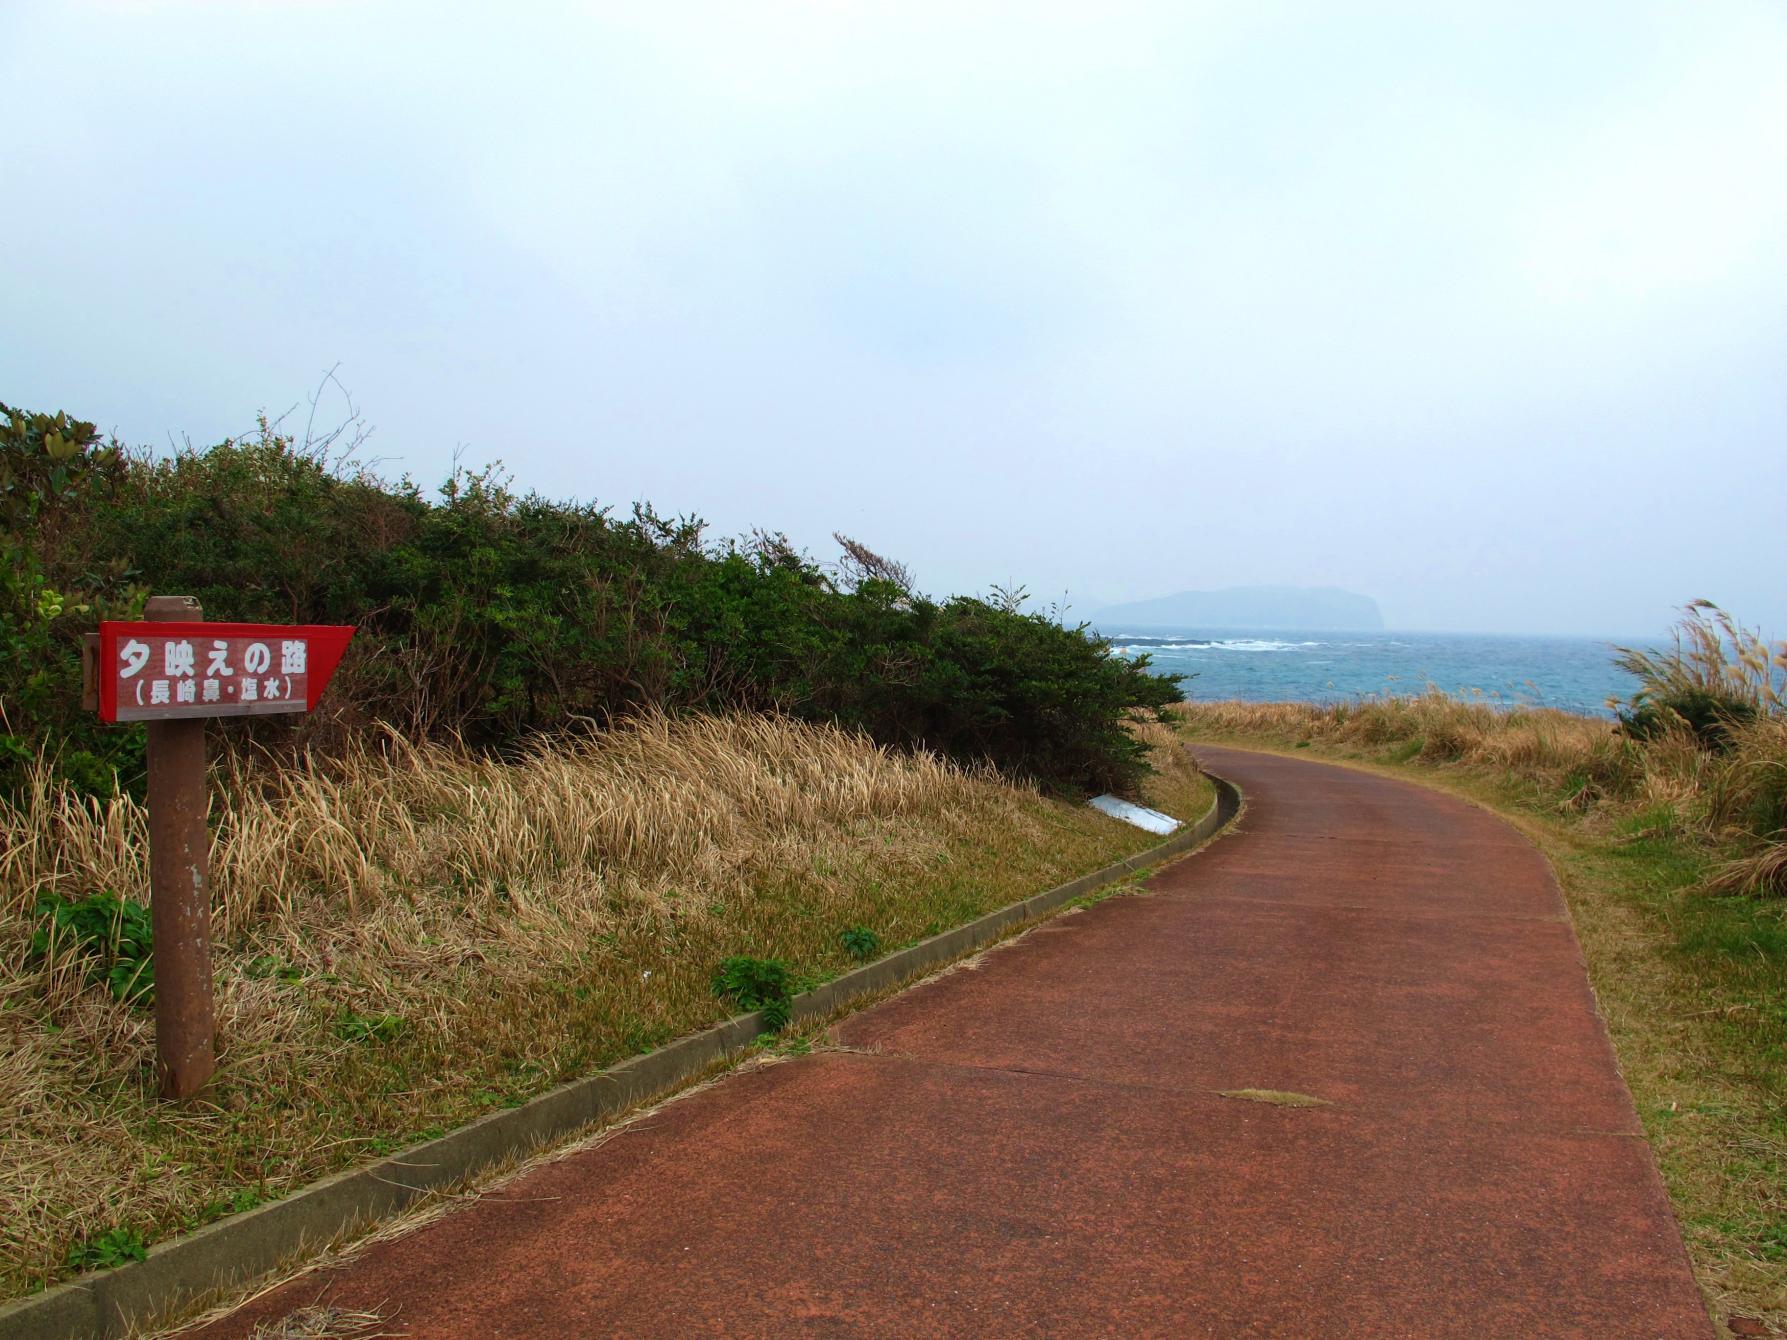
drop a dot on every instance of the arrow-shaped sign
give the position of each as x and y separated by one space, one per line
154 671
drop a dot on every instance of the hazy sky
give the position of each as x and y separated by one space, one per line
1478 308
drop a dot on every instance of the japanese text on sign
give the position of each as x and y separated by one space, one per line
237 670
154 671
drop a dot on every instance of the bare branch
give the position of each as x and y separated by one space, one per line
862 564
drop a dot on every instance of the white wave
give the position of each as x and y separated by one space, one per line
1205 644
1258 644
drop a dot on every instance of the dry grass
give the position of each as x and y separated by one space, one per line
320 1321
1175 786
519 922
1693 987
1274 1097
1732 801
1716 656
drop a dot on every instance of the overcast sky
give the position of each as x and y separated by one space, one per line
1480 309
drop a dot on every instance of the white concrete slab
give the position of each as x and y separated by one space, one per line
1139 815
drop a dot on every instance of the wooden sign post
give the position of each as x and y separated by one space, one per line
172 670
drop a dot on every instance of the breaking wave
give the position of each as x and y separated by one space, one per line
1130 646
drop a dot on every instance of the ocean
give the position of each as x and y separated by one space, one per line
1575 674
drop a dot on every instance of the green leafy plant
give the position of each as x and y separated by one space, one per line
352 1027
756 984
263 966
111 1248
237 1202
54 472
112 936
861 943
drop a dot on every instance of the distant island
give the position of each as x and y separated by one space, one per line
1284 608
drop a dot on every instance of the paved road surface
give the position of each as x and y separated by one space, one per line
1039 1146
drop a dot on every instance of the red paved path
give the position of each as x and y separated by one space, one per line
1038 1147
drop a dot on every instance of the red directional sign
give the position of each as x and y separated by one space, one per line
159 671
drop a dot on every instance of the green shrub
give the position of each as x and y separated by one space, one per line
490 616
757 984
52 588
1716 678
105 1250
111 936
1712 717
861 943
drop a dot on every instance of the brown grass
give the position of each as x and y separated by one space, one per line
321 1321
1712 654
1732 801
1274 1097
522 922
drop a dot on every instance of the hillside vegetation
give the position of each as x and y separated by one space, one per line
487 617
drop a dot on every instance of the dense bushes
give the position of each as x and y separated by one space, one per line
50 467
492 616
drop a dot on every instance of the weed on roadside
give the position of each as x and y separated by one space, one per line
860 943
105 1250
756 984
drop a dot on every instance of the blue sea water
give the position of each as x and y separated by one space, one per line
1575 674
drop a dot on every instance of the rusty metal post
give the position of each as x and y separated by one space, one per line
180 896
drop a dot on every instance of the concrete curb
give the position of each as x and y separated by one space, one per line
233 1251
